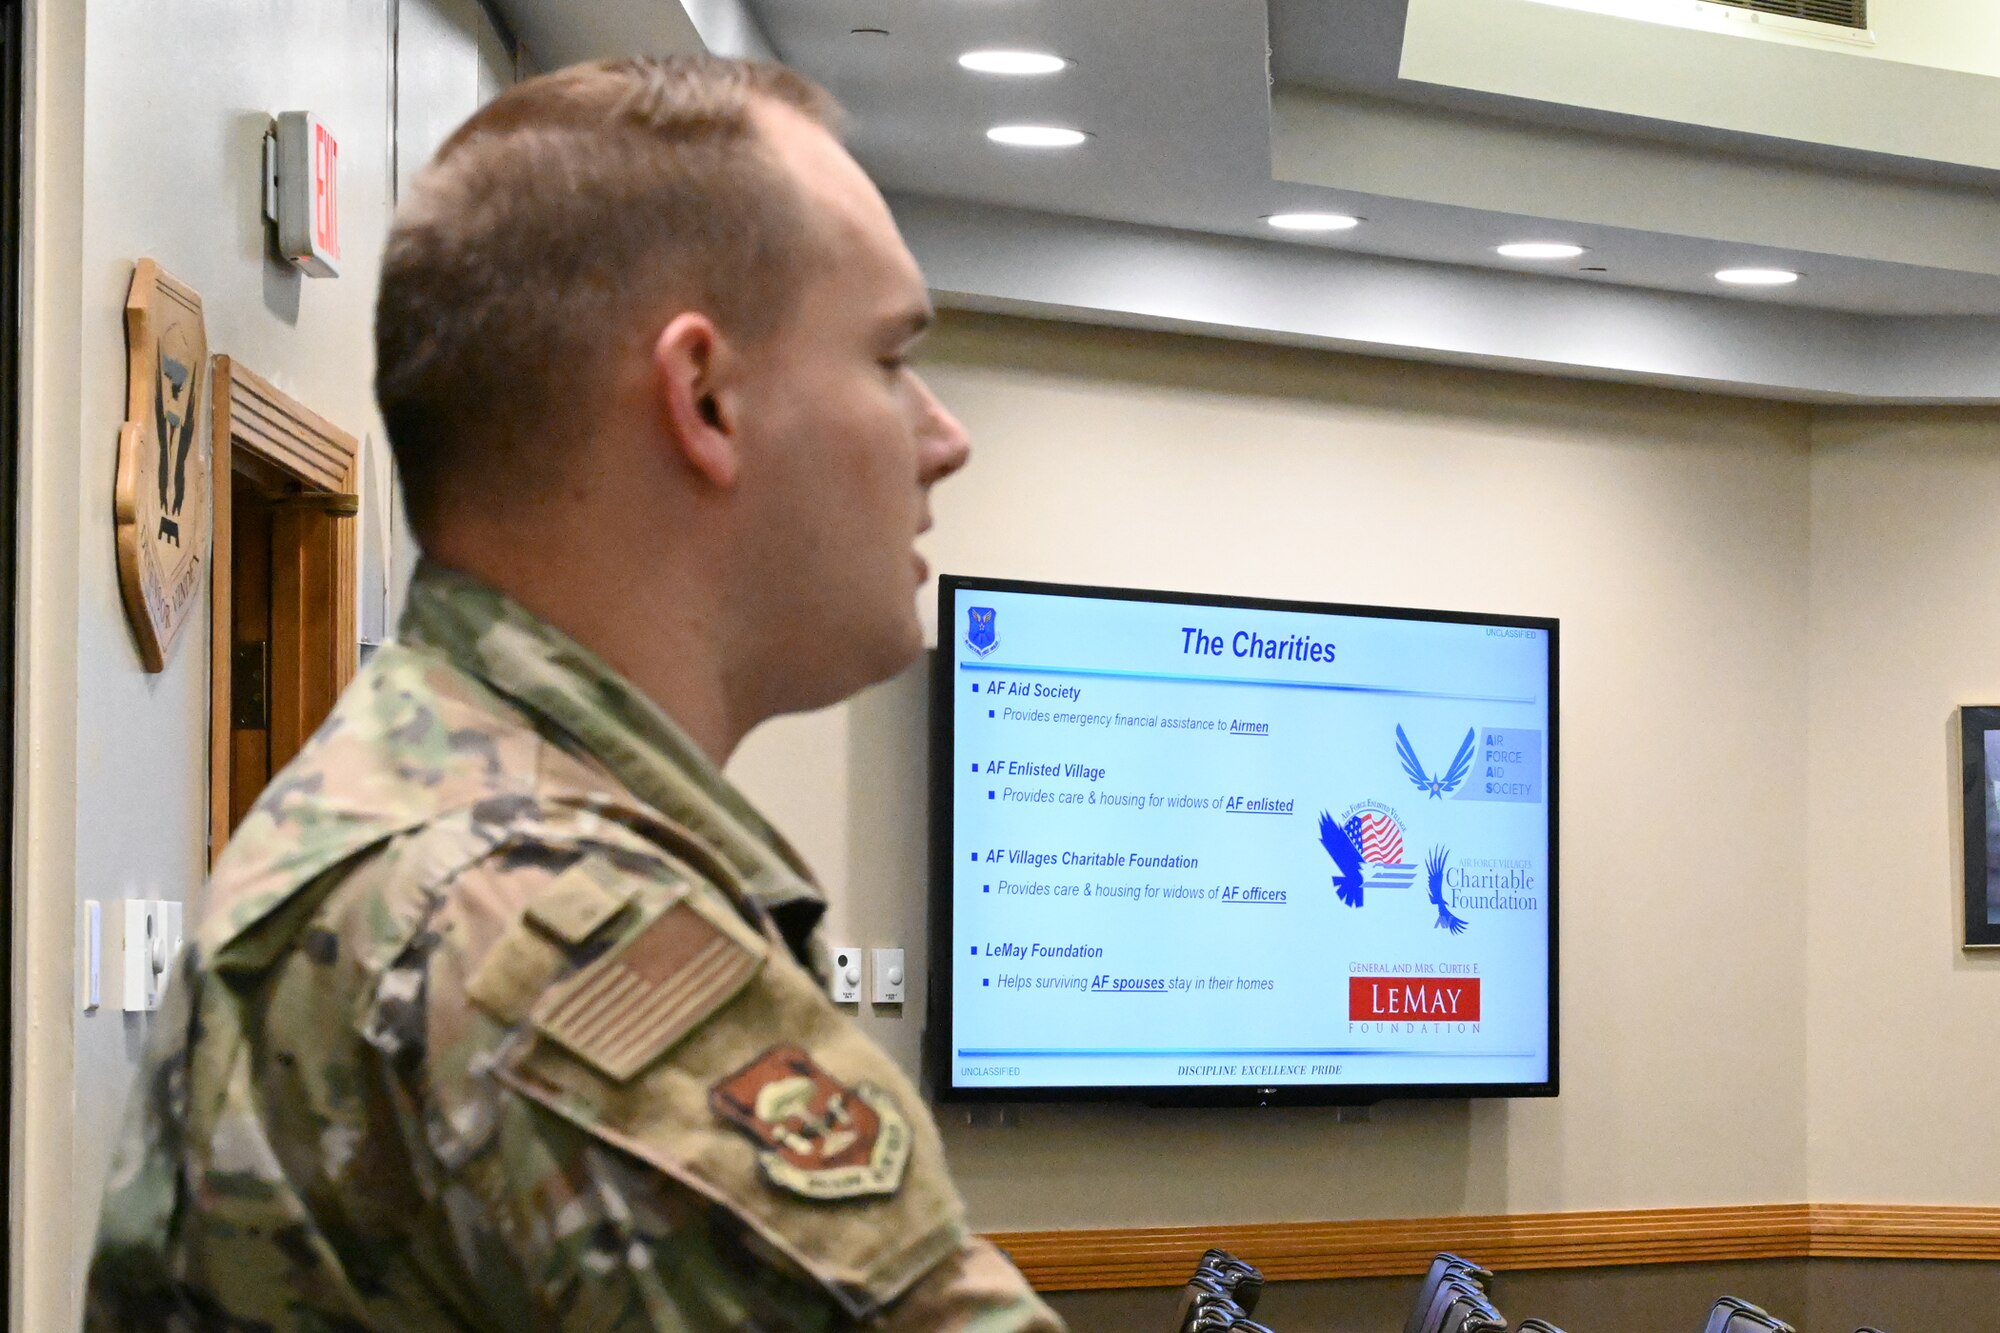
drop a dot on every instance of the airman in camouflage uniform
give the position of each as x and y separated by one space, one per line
504 1009
501 1016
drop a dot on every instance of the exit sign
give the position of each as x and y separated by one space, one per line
302 192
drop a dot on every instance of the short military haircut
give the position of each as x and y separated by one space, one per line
553 235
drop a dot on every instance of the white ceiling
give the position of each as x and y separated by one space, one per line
1179 97
1175 94
1818 91
554 33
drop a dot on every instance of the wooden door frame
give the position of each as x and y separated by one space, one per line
13 75
310 466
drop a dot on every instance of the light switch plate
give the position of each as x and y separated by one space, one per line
93 953
886 967
845 987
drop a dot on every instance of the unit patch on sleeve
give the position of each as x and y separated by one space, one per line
821 1138
628 1008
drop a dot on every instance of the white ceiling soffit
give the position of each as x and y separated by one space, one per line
728 28
1356 49
1178 176
1875 232
1804 89
1957 35
1565 175
562 32
1111 273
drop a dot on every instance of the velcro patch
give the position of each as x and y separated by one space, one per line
515 971
822 1139
628 1008
575 905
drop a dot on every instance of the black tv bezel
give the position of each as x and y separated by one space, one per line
943 857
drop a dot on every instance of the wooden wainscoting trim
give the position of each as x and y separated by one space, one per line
1904 1231
1296 1251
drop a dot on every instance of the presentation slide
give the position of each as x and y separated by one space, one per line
1216 845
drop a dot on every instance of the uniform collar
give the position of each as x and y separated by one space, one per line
591 709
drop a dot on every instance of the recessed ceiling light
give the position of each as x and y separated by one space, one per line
1036 136
1011 62
1539 250
1757 277
1312 221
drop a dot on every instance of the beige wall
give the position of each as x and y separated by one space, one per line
1668 531
1764 996
146 118
1905 617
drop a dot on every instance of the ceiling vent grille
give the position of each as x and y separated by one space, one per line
1841 13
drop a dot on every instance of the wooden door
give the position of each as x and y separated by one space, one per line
249 617
283 636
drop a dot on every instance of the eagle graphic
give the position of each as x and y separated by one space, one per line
1346 854
1434 866
979 634
1435 787
173 422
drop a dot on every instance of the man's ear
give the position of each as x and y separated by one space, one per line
693 367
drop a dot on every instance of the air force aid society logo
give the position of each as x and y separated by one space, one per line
980 636
1436 785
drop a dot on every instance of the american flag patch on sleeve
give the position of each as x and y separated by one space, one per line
631 1006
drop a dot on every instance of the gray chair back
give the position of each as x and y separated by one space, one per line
1470 1315
1733 1315
1443 1267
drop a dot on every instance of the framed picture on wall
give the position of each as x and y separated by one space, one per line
1979 750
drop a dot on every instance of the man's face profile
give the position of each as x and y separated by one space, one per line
843 439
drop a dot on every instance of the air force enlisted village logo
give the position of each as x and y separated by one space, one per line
1366 844
979 633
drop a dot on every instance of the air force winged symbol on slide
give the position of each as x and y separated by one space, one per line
979 633
1436 787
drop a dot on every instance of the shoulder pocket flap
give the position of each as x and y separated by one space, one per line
581 901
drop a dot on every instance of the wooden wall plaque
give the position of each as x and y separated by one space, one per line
165 478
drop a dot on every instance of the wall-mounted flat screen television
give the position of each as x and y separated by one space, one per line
1233 850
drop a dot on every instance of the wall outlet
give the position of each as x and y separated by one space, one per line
845 987
886 967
